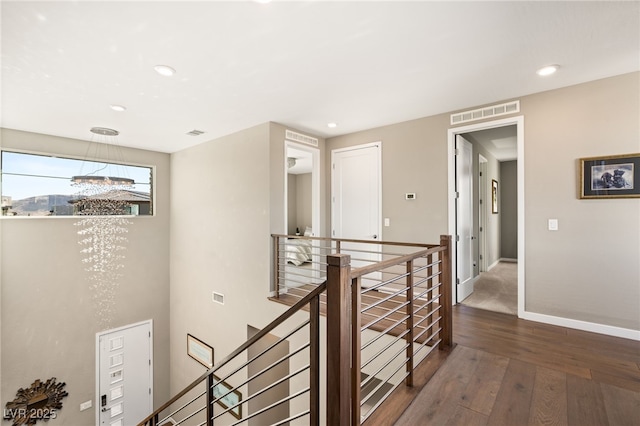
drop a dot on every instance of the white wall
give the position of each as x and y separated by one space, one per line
49 317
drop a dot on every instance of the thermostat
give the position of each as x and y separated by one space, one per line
410 196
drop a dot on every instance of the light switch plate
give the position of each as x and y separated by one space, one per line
85 405
553 224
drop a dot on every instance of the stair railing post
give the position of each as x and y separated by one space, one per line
314 362
338 340
356 351
446 299
276 263
210 398
410 321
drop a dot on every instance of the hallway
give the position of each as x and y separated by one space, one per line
496 290
507 371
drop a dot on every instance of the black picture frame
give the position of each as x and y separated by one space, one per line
494 196
200 351
611 176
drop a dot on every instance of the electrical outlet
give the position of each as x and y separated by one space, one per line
553 224
387 222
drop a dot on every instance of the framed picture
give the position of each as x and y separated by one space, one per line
614 176
200 351
227 399
494 196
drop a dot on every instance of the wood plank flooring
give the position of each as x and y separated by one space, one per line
507 371
371 316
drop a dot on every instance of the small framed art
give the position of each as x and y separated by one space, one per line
613 176
200 351
494 196
227 397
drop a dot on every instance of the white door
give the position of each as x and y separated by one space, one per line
356 201
125 375
483 205
464 218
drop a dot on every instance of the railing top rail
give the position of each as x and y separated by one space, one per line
272 325
378 266
348 240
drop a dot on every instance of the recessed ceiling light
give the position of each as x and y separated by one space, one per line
548 70
332 125
118 108
164 70
262 1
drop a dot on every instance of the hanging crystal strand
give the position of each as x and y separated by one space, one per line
102 236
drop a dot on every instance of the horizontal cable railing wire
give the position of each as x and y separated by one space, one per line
196 407
395 295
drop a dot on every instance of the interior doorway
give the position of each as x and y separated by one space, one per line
301 189
505 134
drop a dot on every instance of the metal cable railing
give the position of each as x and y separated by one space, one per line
386 310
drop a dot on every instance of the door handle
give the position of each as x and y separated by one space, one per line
104 409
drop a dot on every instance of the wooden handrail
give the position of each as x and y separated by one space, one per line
343 327
379 266
349 240
259 335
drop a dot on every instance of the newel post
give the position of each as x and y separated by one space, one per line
210 399
338 339
446 298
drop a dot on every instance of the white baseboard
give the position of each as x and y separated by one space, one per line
593 327
508 259
493 265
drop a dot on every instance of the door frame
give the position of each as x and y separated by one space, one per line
113 330
482 214
518 121
315 185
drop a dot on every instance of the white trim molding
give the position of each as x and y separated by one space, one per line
593 327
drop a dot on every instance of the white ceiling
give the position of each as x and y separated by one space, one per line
501 142
303 64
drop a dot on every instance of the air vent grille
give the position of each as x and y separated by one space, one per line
195 132
299 137
486 112
217 297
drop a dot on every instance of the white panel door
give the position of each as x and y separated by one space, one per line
125 375
356 200
464 218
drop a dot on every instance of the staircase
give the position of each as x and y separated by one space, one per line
384 319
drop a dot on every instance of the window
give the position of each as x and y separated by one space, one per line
42 185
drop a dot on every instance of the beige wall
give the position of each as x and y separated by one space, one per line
508 209
49 323
224 245
303 201
588 270
414 159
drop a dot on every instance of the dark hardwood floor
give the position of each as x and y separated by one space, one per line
507 371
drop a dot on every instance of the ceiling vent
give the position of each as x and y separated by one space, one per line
299 137
486 112
195 132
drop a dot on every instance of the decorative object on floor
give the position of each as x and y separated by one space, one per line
103 228
494 196
200 351
613 176
40 401
227 397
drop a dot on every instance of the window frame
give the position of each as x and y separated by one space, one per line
152 183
